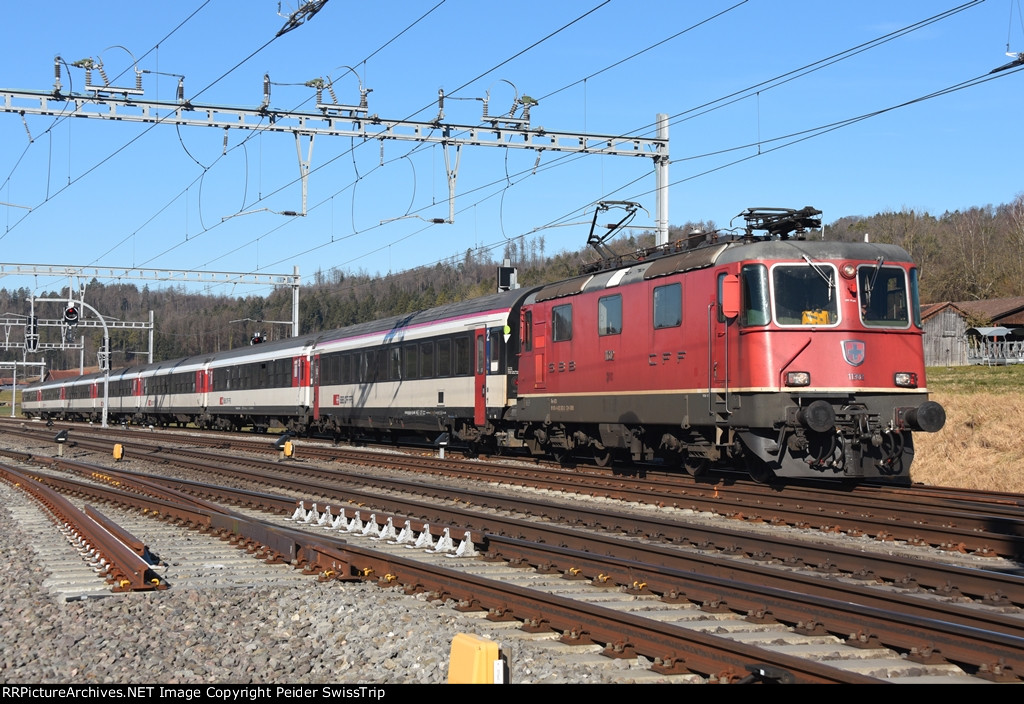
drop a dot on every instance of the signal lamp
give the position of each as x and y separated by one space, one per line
907 380
798 378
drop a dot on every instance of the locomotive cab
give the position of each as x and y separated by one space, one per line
836 331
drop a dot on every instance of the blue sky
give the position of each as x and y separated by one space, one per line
100 193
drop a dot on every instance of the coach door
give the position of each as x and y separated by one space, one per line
200 382
137 386
314 374
300 381
480 377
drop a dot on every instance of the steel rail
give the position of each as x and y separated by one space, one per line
990 644
122 565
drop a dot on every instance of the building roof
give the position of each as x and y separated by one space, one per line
52 374
997 311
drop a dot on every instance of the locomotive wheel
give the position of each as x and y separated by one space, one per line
696 466
758 470
562 456
603 457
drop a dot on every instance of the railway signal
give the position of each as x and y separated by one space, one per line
32 335
103 357
70 322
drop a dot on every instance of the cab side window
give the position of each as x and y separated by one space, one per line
609 315
561 323
668 306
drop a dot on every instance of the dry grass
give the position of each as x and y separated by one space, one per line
982 445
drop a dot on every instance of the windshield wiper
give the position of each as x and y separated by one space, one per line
826 277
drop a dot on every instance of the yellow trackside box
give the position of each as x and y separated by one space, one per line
475 660
118 451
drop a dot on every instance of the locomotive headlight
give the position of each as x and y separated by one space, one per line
848 271
907 380
798 378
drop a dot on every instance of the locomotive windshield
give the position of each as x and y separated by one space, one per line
882 291
805 294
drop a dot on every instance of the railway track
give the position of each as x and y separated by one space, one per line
957 521
925 658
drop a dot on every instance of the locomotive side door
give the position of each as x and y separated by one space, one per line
721 343
480 377
540 339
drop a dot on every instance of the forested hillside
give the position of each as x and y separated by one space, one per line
974 254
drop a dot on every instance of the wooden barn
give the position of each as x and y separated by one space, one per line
967 332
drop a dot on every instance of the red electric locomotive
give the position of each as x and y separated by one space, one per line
792 356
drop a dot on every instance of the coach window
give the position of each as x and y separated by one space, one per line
367 366
444 357
246 374
609 315
481 354
463 358
497 348
668 306
426 360
410 362
754 292
394 363
561 323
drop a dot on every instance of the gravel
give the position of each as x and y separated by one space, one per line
313 632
